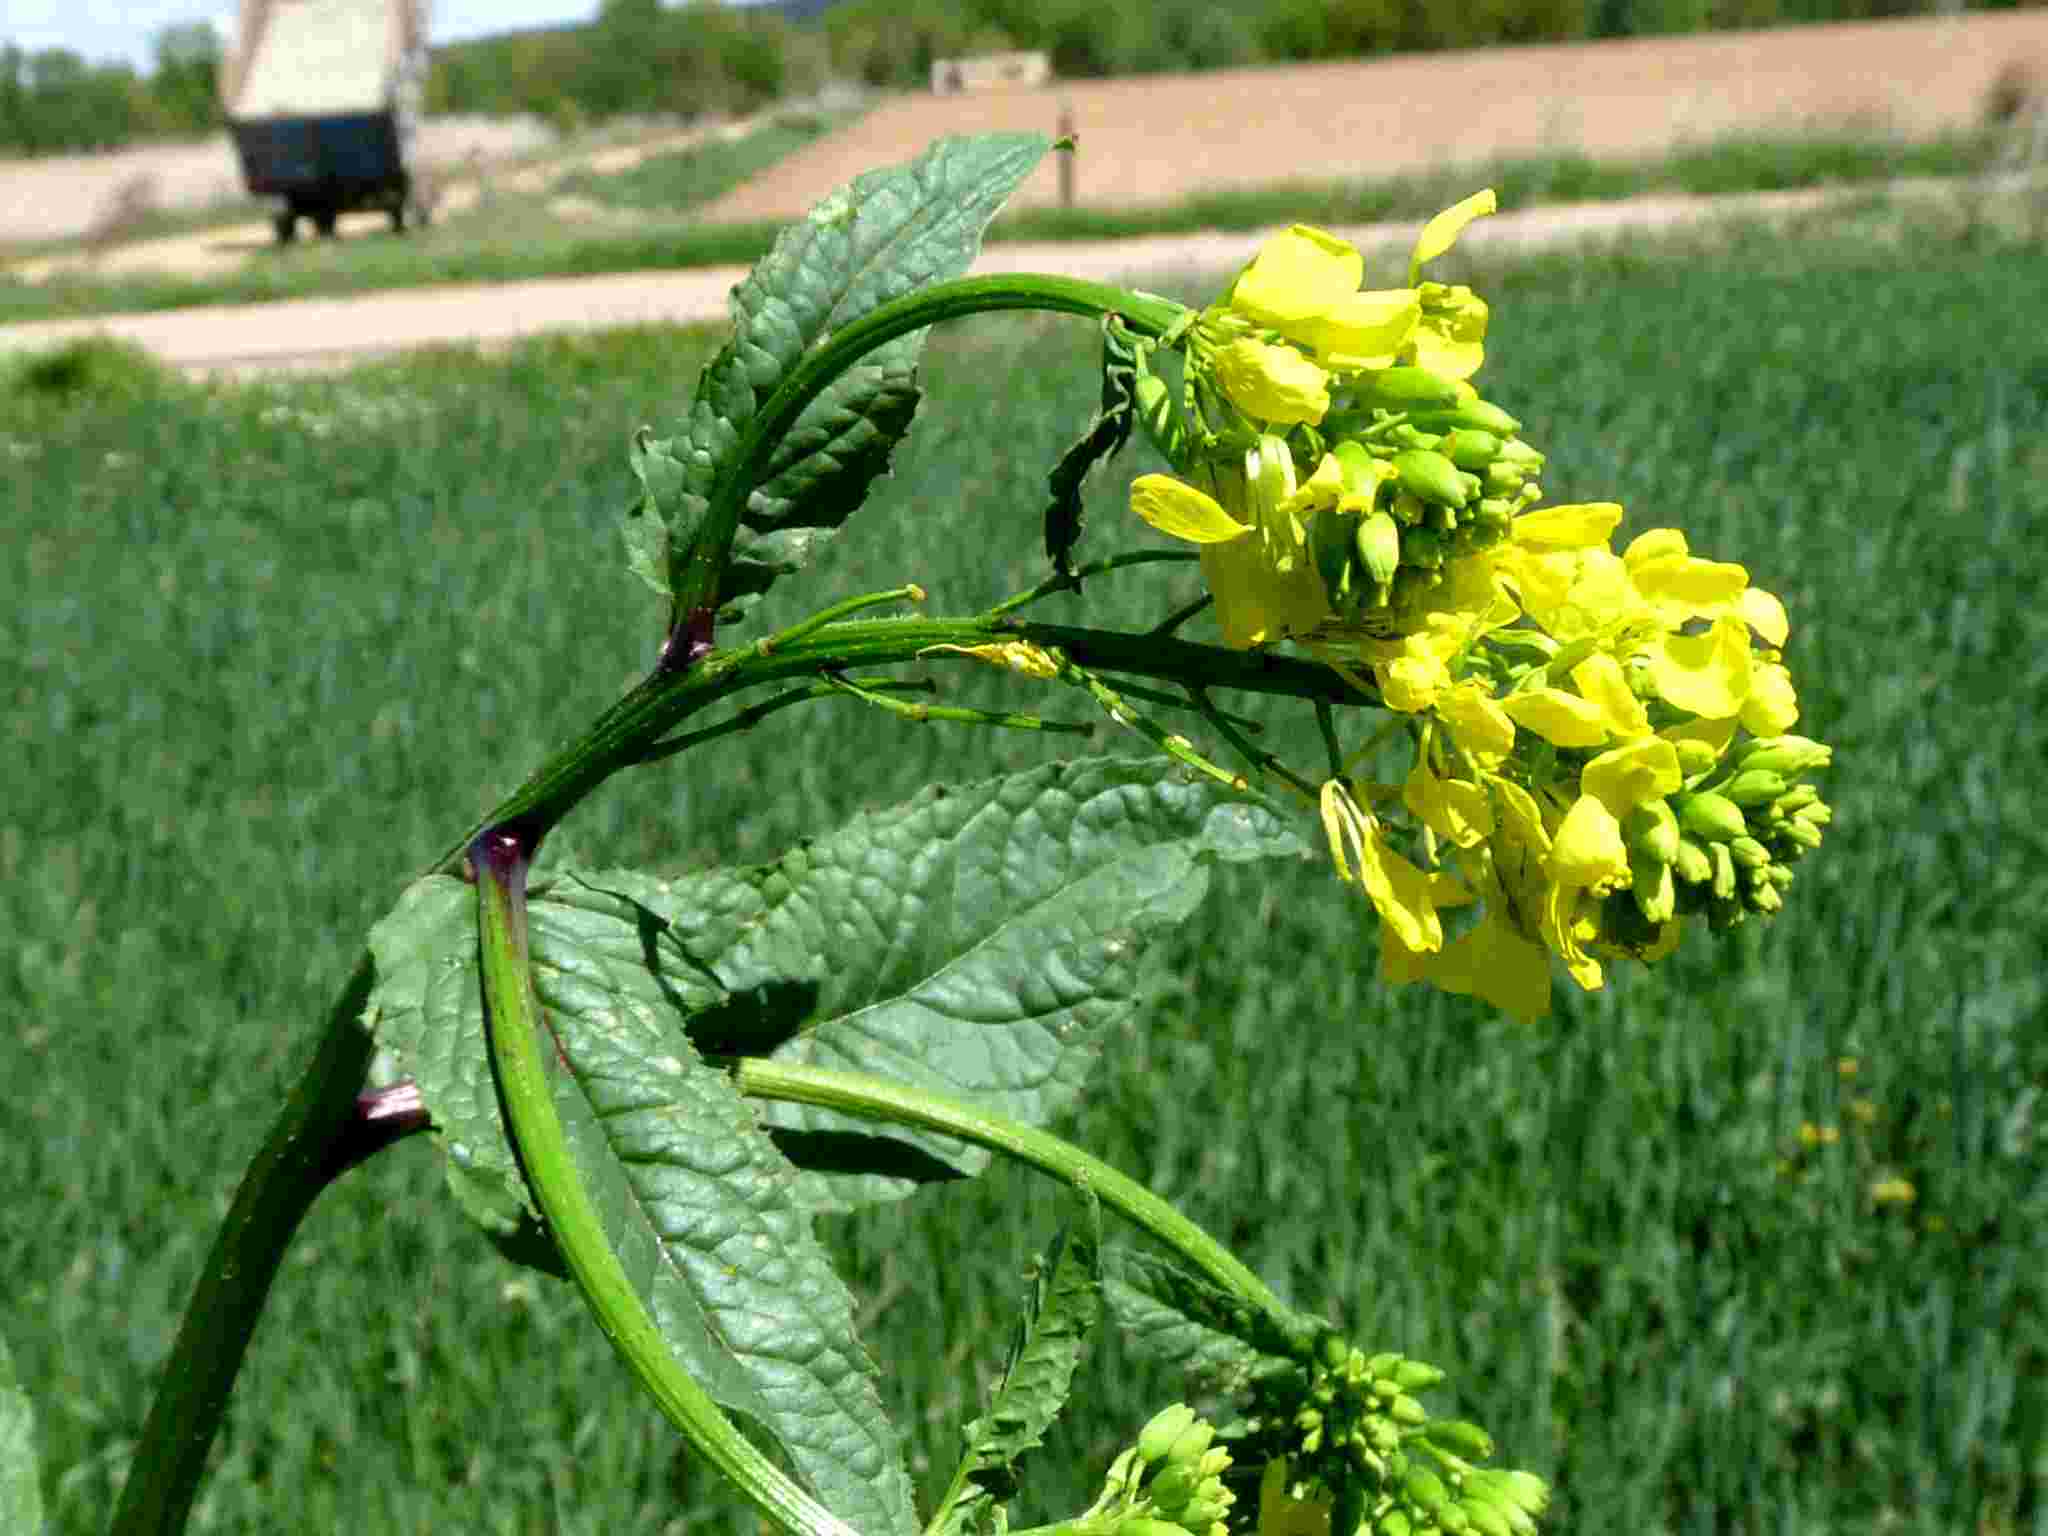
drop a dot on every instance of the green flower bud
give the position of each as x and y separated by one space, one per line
1692 863
1754 786
1405 1410
1205 1512
1165 1427
1794 800
1779 875
1504 479
1331 536
1453 1518
1189 1445
1816 813
1171 1490
1408 510
1332 1347
1724 871
1480 415
1153 397
1515 451
1415 1376
1711 818
1469 448
1395 1522
1799 832
1495 518
1425 1490
1422 548
1404 389
1405 436
1513 1488
1144 1525
1748 853
1378 543
1656 894
1695 757
1765 897
1487 1518
1430 477
1460 1439
1651 829
1789 755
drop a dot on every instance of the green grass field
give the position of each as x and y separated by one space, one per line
514 236
275 644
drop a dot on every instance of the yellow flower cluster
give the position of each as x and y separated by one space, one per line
1599 738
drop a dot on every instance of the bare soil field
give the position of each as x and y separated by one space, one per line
1160 138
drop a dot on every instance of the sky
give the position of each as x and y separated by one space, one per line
122 29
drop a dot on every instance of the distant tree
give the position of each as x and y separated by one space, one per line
183 84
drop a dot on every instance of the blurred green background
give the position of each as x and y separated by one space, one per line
274 644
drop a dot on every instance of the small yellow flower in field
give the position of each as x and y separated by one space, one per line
1848 1066
1863 1111
1894 1191
1811 1135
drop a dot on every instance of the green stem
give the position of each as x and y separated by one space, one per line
298 1159
513 1022
703 565
875 1098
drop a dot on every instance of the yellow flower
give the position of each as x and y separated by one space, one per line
1175 507
1603 684
1282 1512
1304 284
1560 718
1628 776
1476 722
1442 232
1678 586
1398 890
1264 590
1456 810
1272 384
1495 964
1772 707
1706 675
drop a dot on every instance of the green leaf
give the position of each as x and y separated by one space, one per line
977 942
21 1491
885 234
661 481
1063 1303
695 1199
1110 430
1177 1318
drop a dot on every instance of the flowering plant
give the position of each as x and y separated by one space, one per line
651 1084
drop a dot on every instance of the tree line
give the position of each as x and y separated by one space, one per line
642 57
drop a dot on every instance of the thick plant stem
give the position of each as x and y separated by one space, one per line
513 1023
296 1162
875 1098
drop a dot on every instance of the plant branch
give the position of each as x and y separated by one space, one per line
513 1021
875 1098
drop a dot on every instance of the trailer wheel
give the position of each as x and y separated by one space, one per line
287 226
324 220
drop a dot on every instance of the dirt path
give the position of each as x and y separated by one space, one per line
464 178
311 333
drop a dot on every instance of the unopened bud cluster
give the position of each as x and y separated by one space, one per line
1363 1427
1169 1484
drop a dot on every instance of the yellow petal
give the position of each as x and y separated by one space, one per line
1706 675
1715 733
1400 892
1175 507
1442 232
1497 965
1656 544
1275 384
1574 527
1568 933
1298 273
1456 810
1604 685
1681 588
1255 601
1477 722
1563 719
1772 707
1589 850
1766 615
1453 357
1627 776
1361 330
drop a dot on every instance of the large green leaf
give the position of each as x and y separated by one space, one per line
21 1492
1175 1317
977 942
695 1199
884 235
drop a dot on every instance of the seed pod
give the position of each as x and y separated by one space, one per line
1754 786
1469 448
1404 389
1711 818
1378 543
1430 477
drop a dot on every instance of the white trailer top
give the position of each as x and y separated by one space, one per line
318 58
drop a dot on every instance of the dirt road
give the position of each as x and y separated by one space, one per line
310 333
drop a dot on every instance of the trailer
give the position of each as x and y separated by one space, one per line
322 99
